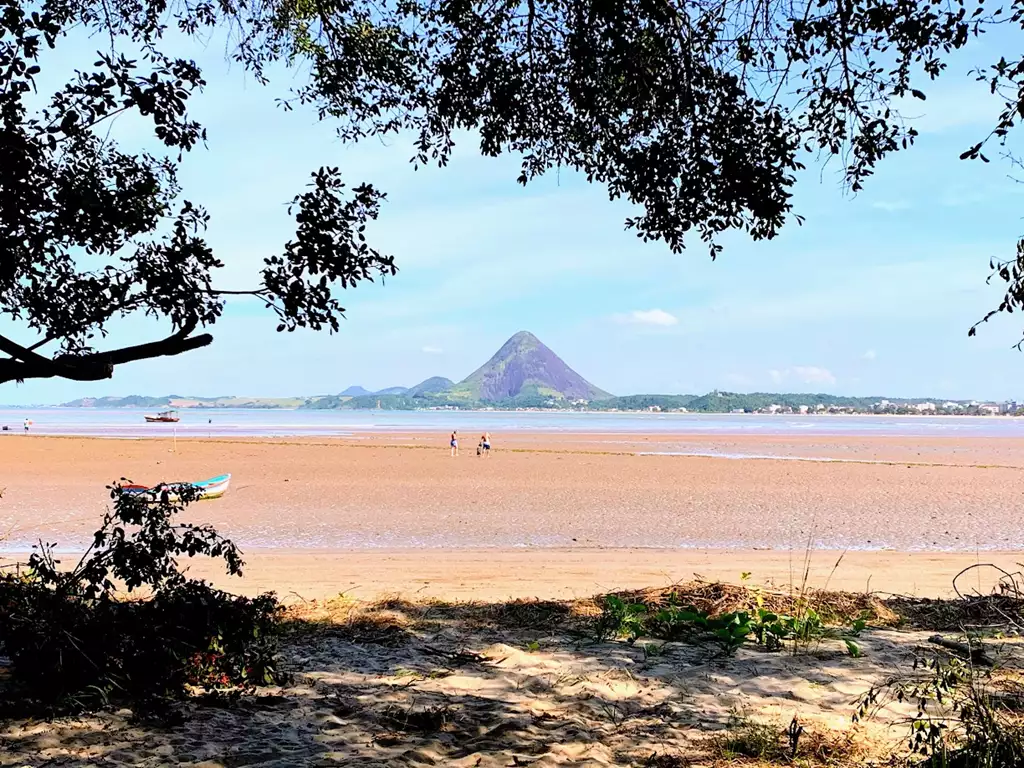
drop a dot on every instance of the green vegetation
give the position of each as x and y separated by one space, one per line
643 403
383 402
424 396
724 402
76 641
433 385
729 630
542 398
967 715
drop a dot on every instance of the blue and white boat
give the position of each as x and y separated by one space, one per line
213 488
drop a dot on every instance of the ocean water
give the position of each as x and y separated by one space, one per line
129 423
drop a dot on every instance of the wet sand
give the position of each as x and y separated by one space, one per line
548 515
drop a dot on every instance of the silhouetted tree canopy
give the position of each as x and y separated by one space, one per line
699 113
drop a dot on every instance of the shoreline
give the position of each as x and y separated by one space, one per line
570 573
560 411
560 573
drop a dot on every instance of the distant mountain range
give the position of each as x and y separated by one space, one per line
523 373
180 401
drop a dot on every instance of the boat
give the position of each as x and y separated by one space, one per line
163 416
213 488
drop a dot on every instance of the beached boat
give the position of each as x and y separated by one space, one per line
163 416
213 488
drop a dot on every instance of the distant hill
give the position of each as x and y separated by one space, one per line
180 401
724 402
432 386
525 368
427 394
355 392
129 401
390 391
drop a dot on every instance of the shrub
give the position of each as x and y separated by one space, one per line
966 717
76 640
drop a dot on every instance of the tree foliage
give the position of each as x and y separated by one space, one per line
71 199
698 112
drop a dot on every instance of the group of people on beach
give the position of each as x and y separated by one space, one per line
482 448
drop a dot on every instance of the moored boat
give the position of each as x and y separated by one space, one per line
213 488
163 416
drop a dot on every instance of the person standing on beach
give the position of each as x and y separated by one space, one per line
27 425
485 443
455 442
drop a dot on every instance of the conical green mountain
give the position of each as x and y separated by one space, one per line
524 367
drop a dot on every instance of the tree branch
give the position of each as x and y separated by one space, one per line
96 366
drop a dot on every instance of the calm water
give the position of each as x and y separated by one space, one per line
285 423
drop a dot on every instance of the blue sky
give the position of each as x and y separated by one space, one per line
872 295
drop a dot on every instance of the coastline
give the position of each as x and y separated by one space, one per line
565 574
491 575
554 411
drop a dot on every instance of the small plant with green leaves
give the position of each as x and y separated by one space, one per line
769 629
965 717
652 651
730 630
620 618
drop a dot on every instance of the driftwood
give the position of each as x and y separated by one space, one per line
975 653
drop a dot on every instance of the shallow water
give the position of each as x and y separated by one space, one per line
293 423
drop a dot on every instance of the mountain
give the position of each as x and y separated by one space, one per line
180 401
354 392
390 391
131 401
432 386
525 368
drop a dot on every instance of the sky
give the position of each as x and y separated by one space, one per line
873 295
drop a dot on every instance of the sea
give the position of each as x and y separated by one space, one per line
229 422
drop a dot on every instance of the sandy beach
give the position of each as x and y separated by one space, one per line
554 516
403 560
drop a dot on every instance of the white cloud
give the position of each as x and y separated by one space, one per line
649 317
432 350
959 196
891 206
812 374
870 355
875 292
737 380
805 374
